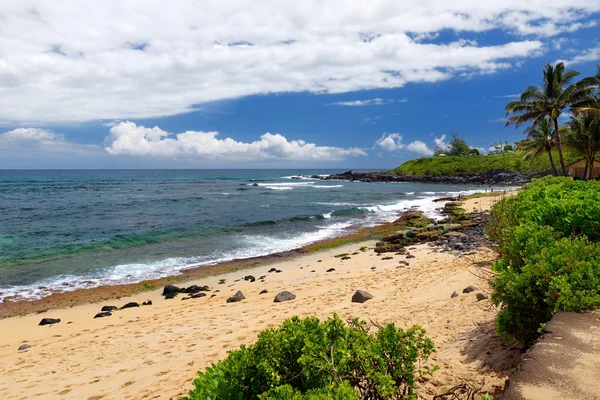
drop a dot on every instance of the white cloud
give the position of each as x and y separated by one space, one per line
508 96
110 60
419 147
592 54
130 139
441 144
371 102
390 142
28 143
30 134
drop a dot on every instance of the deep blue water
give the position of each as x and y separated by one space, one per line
68 229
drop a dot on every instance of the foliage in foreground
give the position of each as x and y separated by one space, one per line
550 256
311 360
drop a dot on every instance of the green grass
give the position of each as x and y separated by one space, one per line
511 162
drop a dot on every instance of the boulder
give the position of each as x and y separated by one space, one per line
49 321
239 296
469 289
102 314
170 289
130 305
170 295
453 295
284 296
360 296
109 308
481 296
25 347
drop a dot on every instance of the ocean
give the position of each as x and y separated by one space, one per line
64 230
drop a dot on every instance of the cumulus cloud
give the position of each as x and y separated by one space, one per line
390 142
419 147
111 60
371 102
441 144
131 139
592 54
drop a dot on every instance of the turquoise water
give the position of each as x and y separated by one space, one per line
61 230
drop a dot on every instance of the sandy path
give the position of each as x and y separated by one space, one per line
153 352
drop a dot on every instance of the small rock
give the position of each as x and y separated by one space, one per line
404 263
109 308
49 321
102 314
360 296
278 271
197 295
273 270
249 278
25 347
185 298
213 295
264 291
170 295
469 289
330 270
387 258
147 303
170 289
239 296
195 289
481 296
409 256
453 295
284 296
346 258
130 305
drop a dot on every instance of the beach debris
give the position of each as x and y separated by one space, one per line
103 314
346 258
469 289
169 289
146 303
197 295
264 291
481 296
272 270
284 296
25 347
109 308
49 321
409 256
130 305
249 278
239 296
330 270
360 296
453 295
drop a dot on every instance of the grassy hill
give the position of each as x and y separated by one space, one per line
511 162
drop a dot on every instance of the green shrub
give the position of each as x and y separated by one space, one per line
550 258
310 359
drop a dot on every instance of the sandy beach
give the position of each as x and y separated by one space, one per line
153 352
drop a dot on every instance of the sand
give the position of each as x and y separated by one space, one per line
153 352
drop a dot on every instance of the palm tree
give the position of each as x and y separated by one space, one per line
584 136
540 139
551 100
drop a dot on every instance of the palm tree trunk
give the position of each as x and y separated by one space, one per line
559 147
585 170
590 170
554 171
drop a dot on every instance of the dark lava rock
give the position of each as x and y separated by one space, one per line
330 270
387 258
249 278
130 305
262 277
239 296
49 321
213 295
278 271
346 258
197 295
195 289
264 291
469 289
147 303
170 289
453 295
373 267
273 270
170 295
109 308
25 347
409 256
481 296
360 296
102 314
284 296
404 263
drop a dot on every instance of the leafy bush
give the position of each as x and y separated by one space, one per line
550 258
310 359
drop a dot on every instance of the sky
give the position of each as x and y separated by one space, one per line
271 84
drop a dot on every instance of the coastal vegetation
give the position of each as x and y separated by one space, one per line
549 249
313 359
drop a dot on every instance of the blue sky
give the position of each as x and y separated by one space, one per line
271 86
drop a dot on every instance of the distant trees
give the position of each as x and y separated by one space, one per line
539 141
457 146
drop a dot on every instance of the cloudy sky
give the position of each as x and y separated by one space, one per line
230 84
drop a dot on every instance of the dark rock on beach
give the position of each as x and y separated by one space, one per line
453 295
130 305
147 303
239 296
109 308
169 289
264 291
25 347
197 295
102 314
481 296
284 296
49 321
469 289
194 289
170 295
330 270
360 296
